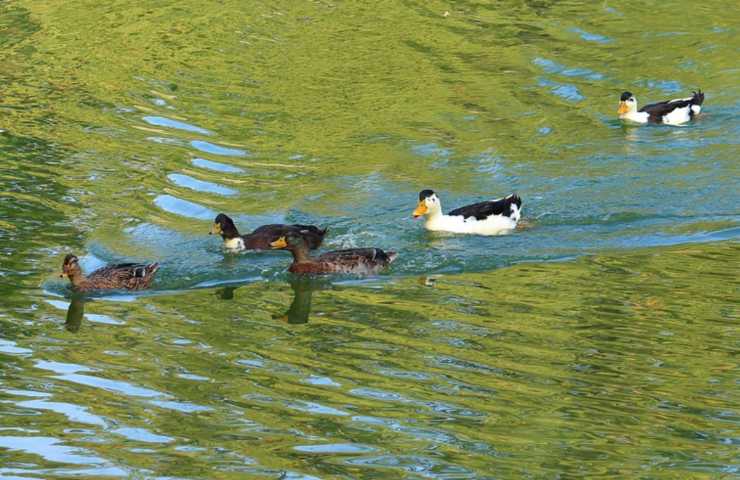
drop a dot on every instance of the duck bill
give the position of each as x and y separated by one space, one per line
420 210
623 108
279 243
215 229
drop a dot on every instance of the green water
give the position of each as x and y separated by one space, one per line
599 341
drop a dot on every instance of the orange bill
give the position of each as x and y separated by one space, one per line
279 243
421 209
623 108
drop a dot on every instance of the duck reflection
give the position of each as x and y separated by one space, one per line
303 288
226 293
75 312
300 308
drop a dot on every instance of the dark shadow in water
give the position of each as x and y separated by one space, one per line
300 308
226 293
75 312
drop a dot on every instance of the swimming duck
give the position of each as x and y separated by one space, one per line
492 217
671 112
261 238
129 276
352 260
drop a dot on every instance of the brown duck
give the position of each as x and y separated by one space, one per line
353 260
262 237
129 276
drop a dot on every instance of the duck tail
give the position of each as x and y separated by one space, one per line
152 268
697 98
391 256
515 199
514 207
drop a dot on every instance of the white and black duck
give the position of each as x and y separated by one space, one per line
671 112
491 217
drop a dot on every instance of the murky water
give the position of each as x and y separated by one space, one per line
600 340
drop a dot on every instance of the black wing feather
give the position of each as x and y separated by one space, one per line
372 255
483 210
658 110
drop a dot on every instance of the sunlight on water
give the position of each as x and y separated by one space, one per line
596 340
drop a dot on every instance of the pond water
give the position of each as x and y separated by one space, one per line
600 339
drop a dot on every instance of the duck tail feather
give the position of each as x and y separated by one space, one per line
698 97
515 199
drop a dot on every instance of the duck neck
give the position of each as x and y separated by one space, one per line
78 279
434 213
630 114
229 233
300 254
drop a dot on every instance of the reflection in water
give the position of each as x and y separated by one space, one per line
75 312
614 366
226 293
300 307
303 288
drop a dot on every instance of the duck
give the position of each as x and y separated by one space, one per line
261 237
128 276
365 261
490 217
670 112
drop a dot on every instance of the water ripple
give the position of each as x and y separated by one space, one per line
176 124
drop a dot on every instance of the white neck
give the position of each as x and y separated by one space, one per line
236 243
434 214
635 116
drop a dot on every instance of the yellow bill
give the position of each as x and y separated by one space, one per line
215 229
279 243
623 108
421 209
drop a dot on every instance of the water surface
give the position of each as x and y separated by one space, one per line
599 340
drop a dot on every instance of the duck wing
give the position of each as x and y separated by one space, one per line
657 111
131 276
313 234
483 210
262 236
374 256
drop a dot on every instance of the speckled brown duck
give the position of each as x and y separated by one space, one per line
262 237
363 261
129 276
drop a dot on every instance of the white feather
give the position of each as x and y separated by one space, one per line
677 116
236 243
493 225
635 116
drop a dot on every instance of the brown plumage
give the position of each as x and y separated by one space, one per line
261 237
353 260
129 276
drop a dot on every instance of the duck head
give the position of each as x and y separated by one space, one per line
223 225
295 244
429 204
627 104
291 241
71 268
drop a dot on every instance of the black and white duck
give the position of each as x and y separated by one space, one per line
491 217
670 112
